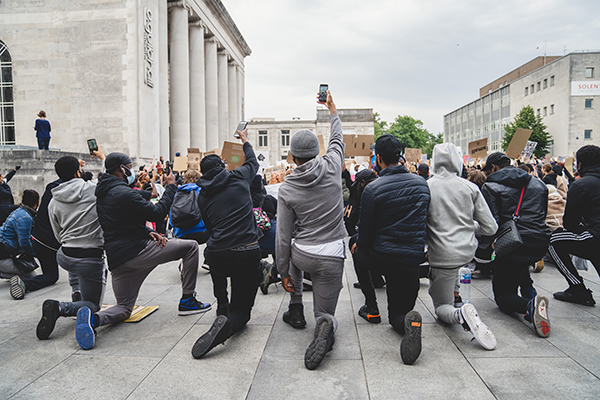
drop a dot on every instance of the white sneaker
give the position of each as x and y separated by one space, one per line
470 320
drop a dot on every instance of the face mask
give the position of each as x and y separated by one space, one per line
131 177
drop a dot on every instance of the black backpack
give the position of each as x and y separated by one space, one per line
185 211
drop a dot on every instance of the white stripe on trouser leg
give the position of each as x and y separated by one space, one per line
570 277
557 237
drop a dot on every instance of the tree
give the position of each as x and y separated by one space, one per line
410 132
380 126
528 120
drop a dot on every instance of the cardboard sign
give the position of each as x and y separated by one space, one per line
529 149
194 156
358 145
478 148
289 159
180 164
412 155
233 155
569 164
213 151
518 142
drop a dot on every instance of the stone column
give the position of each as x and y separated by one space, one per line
212 94
233 96
180 77
224 134
197 93
241 95
163 79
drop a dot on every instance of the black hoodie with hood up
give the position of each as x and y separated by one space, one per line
502 191
583 203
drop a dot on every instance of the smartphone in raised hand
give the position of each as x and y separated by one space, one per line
323 92
241 126
92 145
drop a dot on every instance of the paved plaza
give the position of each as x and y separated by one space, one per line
152 359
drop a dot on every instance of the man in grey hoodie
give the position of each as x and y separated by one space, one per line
457 212
310 201
74 221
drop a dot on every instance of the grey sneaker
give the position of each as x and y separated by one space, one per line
322 343
17 288
538 313
470 320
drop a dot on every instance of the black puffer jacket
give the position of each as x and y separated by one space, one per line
7 201
393 215
42 231
122 213
583 203
502 191
226 204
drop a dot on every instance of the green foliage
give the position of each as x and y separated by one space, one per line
528 120
410 132
380 126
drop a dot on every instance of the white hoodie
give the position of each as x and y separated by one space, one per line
457 212
73 215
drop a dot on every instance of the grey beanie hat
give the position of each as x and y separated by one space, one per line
304 144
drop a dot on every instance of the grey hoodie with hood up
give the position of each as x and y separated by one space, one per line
311 198
73 215
457 212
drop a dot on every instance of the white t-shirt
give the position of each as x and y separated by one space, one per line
337 248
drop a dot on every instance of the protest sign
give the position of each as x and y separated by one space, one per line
193 158
412 155
529 149
233 155
358 145
518 142
180 164
322 148
569 164
478 149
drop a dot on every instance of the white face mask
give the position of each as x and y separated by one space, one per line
130 177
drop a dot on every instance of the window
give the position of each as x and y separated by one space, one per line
526 90
531 89
262 138
545 111
539 111
545 83
539 86
551 109
587 134
588 103
7 111
589 72
285 138
283 158
552 80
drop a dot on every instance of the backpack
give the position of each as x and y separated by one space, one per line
185 211
262 219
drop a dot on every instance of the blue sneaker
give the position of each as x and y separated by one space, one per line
528 292
84 332
192 306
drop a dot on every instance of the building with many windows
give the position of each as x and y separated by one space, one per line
144 77
564 91
271 139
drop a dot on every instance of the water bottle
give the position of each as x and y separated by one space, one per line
465 283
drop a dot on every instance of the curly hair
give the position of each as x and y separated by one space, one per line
588 155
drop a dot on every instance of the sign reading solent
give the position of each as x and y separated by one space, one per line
148 49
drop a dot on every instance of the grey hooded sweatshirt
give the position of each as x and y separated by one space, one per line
457 212
311 198
73 215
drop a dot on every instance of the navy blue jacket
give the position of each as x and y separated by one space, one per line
393 215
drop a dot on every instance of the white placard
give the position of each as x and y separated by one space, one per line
529 149
585 88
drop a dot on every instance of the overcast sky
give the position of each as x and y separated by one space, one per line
399 57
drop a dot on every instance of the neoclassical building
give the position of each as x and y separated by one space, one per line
144 77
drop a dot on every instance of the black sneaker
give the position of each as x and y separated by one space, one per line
192 306
217 334
410 348
578 295
370 314
76 296
17 288
295 316
50 313
322 343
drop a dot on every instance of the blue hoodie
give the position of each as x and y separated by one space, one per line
200 227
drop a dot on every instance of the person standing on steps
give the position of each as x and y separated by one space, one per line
42 130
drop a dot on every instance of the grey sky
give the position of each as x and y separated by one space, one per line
419 58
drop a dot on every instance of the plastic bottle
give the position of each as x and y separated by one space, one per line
465 284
